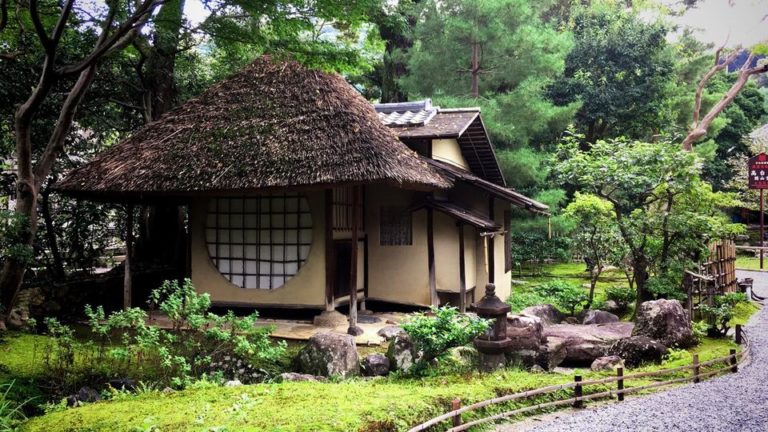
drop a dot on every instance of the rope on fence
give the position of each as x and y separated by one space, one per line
733 359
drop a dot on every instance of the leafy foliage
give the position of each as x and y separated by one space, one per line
536 248
623 296
434 333
566 295
11 412
198 345
518 56
718 316
666 215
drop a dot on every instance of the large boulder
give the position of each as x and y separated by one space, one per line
375 365
552 353
402 352
636 350
666 322
293 376
607 363
599 317
585 343
548 313
389 332
329 354
524 331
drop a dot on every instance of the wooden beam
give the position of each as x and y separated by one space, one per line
330 261
353 329
462 271
433 299
127 280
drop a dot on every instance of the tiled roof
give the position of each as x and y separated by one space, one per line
406 113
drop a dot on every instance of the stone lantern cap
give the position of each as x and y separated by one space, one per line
490 306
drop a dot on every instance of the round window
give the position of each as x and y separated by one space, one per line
259 242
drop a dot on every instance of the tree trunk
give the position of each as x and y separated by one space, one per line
640 275
475 70
57 267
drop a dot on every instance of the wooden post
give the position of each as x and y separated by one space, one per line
127 279
733 361
696 368
762 228
330 263
462 272
491 249
578 392
456 404
433 299
620 383
353 329
739 337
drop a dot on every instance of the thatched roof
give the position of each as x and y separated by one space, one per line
275 124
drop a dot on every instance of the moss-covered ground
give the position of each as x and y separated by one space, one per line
386 404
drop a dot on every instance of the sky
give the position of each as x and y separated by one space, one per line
741 22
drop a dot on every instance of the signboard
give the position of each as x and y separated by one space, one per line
758 171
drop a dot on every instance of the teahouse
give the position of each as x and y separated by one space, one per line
301 195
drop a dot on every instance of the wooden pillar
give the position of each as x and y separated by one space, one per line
127 280
433 299
462 272
491 249
353 328
330 262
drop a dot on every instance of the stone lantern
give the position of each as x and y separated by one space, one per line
495 342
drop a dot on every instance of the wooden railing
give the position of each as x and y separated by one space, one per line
733 359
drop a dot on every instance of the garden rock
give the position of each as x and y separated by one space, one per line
548 313
524 331
523 358
636 350
537 369
665 321
599 317
552 353
375 365
463 357
612 306
84 395
585 343
293 376
389 332
329 354
233 383
126 384
402 353
607 363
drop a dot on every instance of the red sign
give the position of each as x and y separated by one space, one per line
758 171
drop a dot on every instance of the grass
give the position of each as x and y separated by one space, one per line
389 404
750 262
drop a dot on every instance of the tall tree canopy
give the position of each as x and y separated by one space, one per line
494 53
619 69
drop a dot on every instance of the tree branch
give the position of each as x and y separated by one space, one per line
39 29
121 37
699 128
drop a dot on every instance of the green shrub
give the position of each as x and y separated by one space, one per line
718 317
441 329
665 287
623 296
11 411
568 296
198 345
523 299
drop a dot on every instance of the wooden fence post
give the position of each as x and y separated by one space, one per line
456 404
695 368
734 363
620 382
578 392
738 335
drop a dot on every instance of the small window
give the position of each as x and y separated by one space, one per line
395 227
259 242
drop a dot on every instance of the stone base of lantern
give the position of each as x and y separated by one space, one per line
492 362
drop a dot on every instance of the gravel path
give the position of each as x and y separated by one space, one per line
730 403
